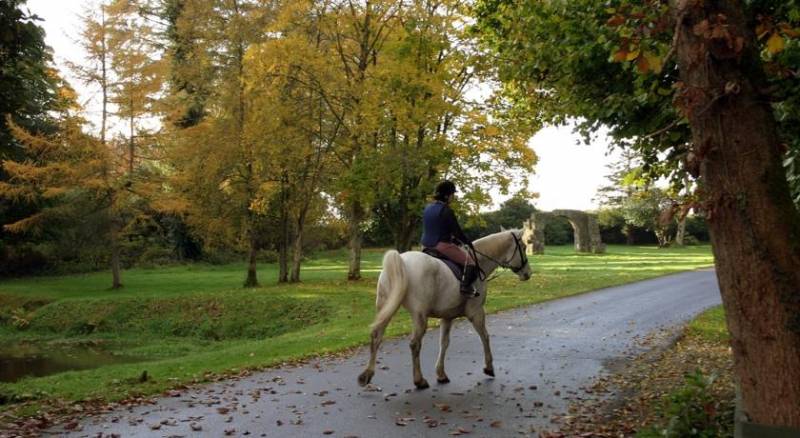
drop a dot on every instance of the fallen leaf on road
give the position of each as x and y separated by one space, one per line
444 407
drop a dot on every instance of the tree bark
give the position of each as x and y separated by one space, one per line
681 233
297 250
297 256
283 244
252 272
116 278
755 229
404 235
355 238
628 231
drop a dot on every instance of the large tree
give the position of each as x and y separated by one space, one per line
29 93
220 167
684 83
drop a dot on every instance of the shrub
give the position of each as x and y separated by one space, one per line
19 260
690 240
692 411
697 227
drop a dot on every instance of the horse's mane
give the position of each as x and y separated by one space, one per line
493 237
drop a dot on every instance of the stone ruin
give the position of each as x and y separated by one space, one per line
587 231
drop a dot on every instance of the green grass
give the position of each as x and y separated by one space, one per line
191 322
710 326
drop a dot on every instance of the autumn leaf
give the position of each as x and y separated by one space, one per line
775 44
616 20
642 64
654 61
620 55
632 55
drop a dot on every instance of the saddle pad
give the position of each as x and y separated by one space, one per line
454 267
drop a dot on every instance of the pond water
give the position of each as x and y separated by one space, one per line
36 360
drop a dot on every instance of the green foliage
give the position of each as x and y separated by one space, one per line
511 215
604 64
697 226
559 231
644 207
693 411
31 91
28 83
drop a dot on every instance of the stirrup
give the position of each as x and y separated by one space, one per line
472 292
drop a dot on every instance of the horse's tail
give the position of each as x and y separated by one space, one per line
394 270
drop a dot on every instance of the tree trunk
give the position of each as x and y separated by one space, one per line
252 273
755 229
628 231
297 257
116 276
297 250
681 233
404 237
355 238
283 246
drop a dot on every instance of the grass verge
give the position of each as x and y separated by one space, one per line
686 390
192 323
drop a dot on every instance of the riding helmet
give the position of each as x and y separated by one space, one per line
444 189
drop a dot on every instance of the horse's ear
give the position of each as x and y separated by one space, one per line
502 228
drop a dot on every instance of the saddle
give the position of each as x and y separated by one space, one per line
454 267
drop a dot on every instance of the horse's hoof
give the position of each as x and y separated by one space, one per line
488 371
422 384
365 377
443 380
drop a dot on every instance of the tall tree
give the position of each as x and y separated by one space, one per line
138 77
755 229
628 61
29 93
95 72
360 31
292 81
219 167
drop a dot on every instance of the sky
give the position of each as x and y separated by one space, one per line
567 175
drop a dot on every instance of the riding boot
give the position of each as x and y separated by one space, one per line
469 276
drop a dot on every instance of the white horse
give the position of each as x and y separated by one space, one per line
426 287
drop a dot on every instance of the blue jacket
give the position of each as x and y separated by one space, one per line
439 224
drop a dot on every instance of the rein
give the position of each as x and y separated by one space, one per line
506 265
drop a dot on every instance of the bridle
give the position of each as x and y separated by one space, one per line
507 265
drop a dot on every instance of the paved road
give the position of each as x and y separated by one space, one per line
545 356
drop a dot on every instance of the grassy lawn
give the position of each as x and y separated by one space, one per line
188 323
710 326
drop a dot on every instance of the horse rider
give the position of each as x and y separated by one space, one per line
440 231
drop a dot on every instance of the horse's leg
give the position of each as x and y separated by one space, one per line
376 336
479 322
420 325
444 342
